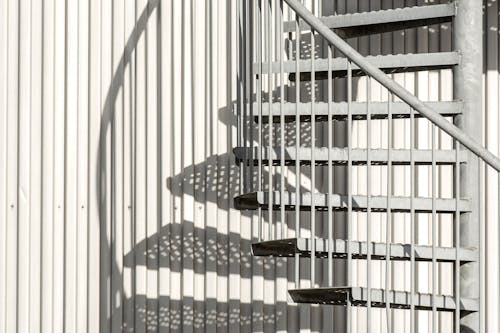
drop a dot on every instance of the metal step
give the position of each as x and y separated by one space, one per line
398 299
388 63
401 252
254 200
361 24
378 110
340 156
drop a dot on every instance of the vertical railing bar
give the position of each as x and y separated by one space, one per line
282 122
297 145
434 231
246 99
290 33
482 239
250 96
481 193
389 212
259 110
457 237
412 221
313 161
248 93
330 171
275 13
368 207
349 190
241 86
270 118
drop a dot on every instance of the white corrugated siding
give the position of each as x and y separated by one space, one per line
116 173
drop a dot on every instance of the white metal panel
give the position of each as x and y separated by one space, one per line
491 137
117 177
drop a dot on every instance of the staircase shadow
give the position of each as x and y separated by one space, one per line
176 246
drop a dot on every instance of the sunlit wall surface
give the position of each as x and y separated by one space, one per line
117 123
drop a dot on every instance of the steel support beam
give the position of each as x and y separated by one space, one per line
467 86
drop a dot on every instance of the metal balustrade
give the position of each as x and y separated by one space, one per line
282 71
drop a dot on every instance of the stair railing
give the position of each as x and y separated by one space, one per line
393 86
262 69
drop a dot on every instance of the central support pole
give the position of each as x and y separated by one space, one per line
467 86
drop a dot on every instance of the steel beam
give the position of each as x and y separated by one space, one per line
397 299
358 250
467 86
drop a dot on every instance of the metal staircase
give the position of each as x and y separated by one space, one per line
281 157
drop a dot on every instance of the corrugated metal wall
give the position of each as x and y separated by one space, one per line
117 120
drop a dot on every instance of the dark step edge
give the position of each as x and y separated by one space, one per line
291 246
398 299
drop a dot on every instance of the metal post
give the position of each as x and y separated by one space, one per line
467 78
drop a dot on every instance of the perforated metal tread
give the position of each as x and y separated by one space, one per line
400 252
372 22
340 156
254 200
388 63
398 299
339 110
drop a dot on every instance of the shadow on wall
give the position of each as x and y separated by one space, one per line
170 245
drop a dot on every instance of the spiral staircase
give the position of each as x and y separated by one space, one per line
276 67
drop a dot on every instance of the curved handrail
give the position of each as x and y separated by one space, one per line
393 86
